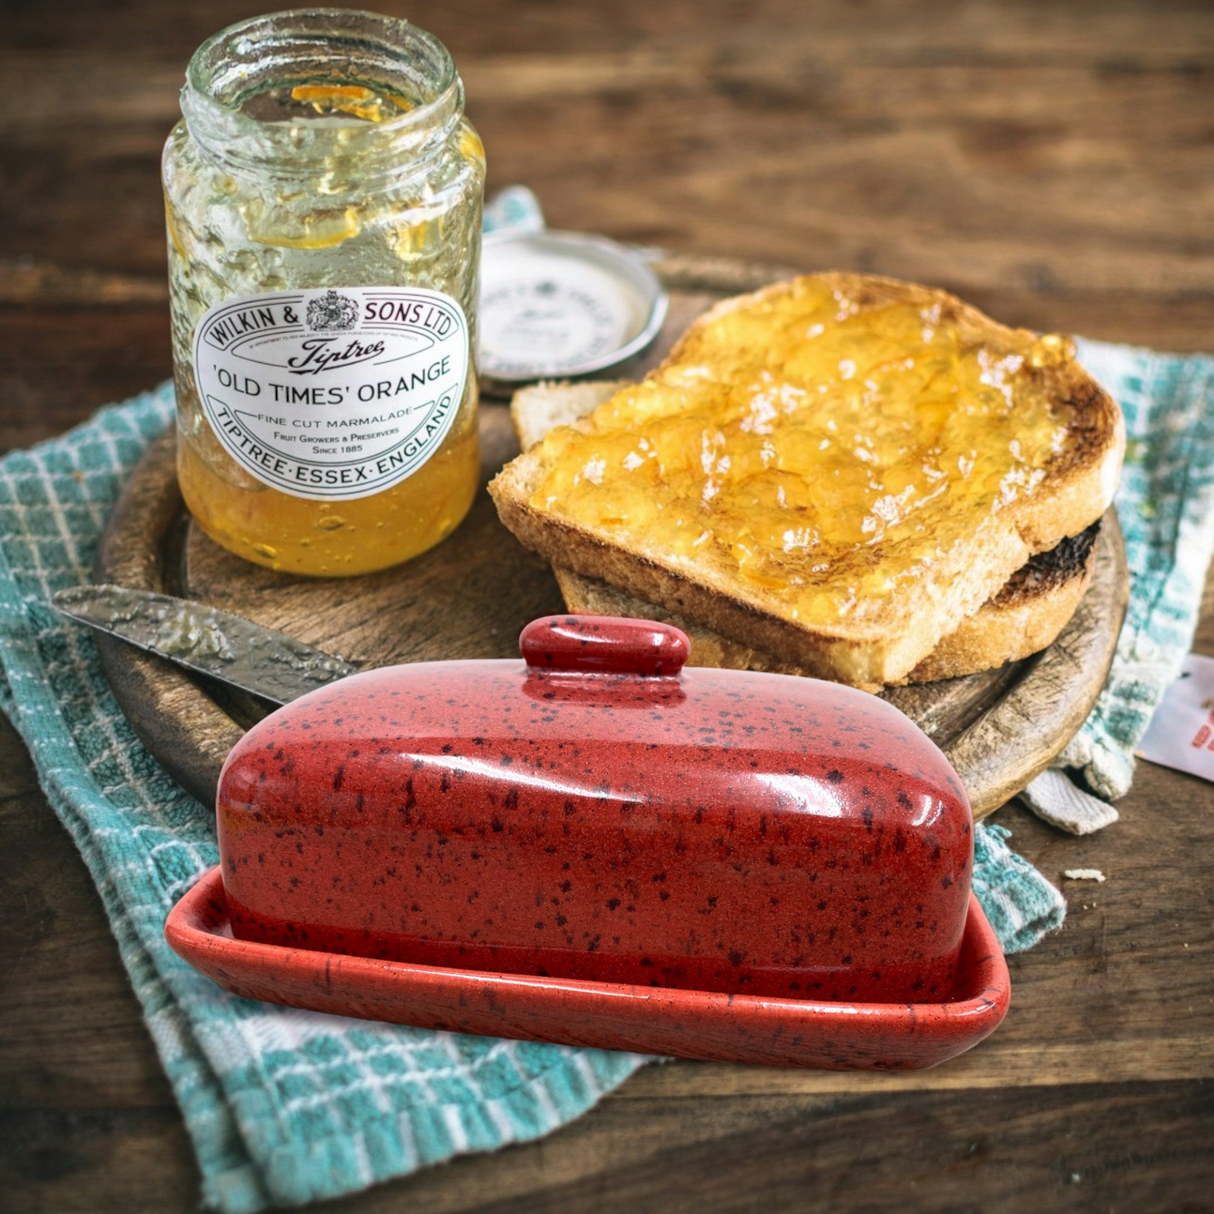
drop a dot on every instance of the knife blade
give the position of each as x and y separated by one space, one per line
218 644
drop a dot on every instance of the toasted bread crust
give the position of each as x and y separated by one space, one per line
1024 618
1080 480
1069 560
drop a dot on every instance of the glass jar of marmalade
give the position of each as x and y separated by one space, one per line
323 199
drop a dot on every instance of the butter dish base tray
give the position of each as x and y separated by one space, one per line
650 1020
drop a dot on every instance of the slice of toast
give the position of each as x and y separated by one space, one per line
1047 462
1024 617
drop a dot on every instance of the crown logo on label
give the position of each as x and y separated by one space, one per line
332 312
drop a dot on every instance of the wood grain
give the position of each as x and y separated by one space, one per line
1050 163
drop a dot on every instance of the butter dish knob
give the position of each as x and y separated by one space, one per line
602 644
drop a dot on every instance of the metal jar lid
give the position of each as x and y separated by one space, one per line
560 304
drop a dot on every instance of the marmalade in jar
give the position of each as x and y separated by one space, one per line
323 201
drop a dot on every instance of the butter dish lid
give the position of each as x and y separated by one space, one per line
601 812
559 304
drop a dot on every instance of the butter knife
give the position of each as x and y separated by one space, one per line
215 643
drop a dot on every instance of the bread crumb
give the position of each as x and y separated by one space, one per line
1084 874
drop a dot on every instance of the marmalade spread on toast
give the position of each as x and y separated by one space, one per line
819 450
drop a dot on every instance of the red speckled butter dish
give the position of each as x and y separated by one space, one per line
615 1016
596 846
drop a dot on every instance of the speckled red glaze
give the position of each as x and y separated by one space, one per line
687 1024
568 817
606 644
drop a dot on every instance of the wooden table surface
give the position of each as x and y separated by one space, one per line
1050 162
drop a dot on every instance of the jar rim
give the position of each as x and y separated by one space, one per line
226 69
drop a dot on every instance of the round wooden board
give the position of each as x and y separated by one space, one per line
471 596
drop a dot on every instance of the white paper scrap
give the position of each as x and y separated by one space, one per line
1181 733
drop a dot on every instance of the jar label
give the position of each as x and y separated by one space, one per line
333 393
